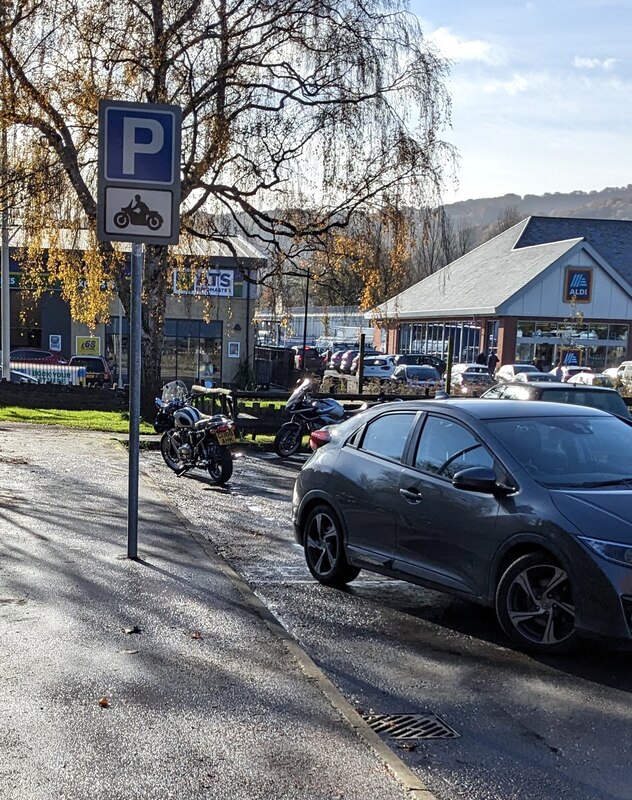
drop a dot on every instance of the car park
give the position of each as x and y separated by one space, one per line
568 371
593 379
529 377
308 360
421 358
570 393
512 505
347 360
98 371
376 367
417 375
508 372
470 379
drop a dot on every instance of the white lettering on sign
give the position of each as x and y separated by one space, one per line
131 148
210 283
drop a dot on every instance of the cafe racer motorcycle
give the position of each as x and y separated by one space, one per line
191 439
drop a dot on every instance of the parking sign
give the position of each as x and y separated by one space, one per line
139 172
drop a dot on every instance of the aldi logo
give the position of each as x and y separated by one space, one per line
578 285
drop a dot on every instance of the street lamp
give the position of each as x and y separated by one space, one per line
308 275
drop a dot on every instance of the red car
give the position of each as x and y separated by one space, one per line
36 355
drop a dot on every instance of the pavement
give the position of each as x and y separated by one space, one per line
158 678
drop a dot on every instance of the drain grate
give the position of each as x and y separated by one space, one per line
411 726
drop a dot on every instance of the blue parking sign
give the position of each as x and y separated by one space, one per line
139 146
139 172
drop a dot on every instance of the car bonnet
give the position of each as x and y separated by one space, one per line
601 513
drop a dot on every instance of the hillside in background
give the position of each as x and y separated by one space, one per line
609 203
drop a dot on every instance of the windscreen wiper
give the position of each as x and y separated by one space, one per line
596 484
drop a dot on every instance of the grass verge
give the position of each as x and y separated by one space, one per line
108 421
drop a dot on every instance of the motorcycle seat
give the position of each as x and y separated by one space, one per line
206 419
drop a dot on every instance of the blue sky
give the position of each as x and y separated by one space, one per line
541 92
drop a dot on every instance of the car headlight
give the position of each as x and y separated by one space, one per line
613 551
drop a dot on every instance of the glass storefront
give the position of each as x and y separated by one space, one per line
192 350
431 338
598 345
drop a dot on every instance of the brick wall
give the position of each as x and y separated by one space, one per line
68 398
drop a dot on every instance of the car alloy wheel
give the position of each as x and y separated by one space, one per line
324 548
535 606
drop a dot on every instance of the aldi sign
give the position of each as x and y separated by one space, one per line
578 285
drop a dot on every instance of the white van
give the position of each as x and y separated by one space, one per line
624 371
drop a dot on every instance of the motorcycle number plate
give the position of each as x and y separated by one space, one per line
225 437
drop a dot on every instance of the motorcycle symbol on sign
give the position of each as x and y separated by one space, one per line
138 213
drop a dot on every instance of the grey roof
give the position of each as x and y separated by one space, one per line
480 281
611 238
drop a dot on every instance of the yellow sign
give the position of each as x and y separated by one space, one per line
88 345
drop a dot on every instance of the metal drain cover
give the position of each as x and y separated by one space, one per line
410 726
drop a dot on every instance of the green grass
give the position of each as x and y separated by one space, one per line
109 421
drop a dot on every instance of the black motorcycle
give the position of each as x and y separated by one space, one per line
308 414
129 216
191 439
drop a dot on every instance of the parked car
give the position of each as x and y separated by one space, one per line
314 362
470 379
572 393
624 371
511 505
508 372
36 355
347 360
380 367
336 358
98 371
421 358
419 376
593 379
368 353
18 377
568 371
529 377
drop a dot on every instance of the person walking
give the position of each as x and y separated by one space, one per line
481 358
491 363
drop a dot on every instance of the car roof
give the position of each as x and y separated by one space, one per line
480 408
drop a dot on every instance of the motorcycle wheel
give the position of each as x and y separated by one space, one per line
288 440
221 468
169 453
154 221
121 219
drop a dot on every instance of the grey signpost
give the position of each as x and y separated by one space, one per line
138 201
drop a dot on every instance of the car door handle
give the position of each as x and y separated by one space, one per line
413 495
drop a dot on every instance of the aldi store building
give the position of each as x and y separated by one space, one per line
555 289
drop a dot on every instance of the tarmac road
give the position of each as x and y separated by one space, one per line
529 728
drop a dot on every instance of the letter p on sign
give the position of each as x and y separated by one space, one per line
131 144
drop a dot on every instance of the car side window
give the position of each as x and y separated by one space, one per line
386 436
495 392
517 393
446 447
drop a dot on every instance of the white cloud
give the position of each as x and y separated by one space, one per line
458 49
519 82
608 64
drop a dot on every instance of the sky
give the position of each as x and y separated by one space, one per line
541 93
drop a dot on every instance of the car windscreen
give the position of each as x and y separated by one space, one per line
422 373
92 364
578 451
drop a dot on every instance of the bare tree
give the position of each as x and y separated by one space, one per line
316 108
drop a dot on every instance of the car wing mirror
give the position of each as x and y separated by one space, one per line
480 479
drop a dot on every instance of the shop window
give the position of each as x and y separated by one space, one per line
618 332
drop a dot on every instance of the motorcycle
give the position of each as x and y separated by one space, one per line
129 216
191 439
308 414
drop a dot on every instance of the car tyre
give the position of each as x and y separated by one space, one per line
535 605
323 543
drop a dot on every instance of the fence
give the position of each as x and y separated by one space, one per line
52 373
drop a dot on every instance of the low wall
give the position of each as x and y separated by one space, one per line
67 398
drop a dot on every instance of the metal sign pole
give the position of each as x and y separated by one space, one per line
134 381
